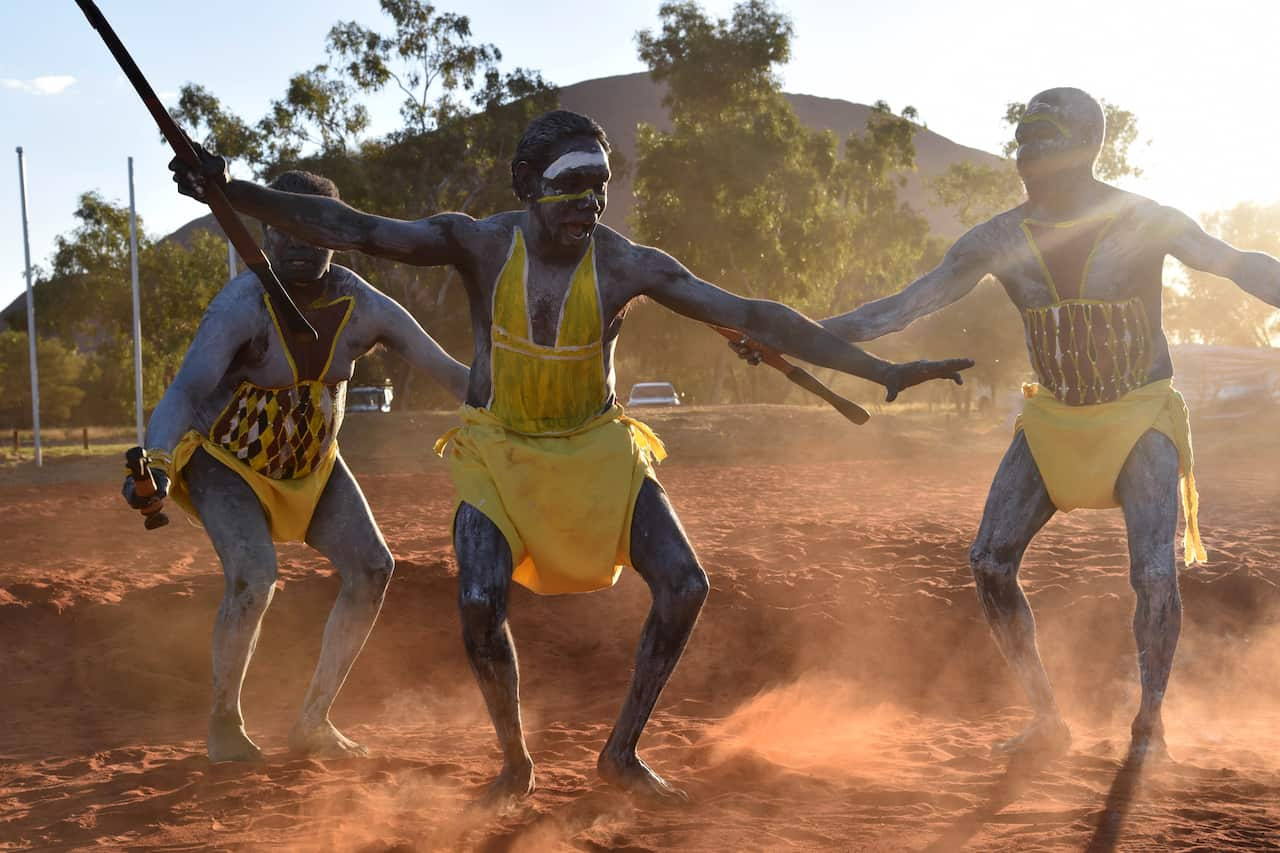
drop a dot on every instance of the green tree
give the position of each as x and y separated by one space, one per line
85 301
709 63
88 283
427 48
176 284
235 139
1212 310
889 243
977 192
428 56
60 369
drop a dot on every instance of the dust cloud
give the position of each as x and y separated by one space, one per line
841 690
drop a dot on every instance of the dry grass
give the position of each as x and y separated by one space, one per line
65 442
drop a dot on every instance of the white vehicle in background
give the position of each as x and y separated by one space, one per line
370 398
653 394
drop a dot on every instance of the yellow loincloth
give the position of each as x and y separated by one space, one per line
1081 449
288 504
565 502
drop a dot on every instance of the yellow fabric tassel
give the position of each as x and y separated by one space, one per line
1081 449
1192 548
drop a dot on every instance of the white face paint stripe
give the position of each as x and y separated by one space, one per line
575 160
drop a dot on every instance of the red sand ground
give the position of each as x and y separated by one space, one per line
840 692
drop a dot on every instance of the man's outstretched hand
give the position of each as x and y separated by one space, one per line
903 376
191 182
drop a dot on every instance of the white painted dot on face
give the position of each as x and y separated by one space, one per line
576 160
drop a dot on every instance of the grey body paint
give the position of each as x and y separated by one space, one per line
1128 262
236 342
662 555
560 216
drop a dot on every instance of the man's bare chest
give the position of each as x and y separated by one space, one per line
273 360
1099 260
547 296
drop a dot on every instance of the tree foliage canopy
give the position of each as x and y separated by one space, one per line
706 62
84 304
428 56
747 196
61 368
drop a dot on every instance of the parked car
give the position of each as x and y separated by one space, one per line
653 394
370 398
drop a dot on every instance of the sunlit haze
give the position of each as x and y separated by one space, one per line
1197 76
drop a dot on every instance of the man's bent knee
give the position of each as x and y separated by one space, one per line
371 579
250 593
1154 579
481 614
685 597
992 564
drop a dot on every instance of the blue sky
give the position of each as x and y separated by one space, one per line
1200 77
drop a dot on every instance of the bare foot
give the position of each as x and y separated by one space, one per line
323 741
1045 736
513 784
636 778
229 742
1148 746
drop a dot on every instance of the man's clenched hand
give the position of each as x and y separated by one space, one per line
745 348
192 182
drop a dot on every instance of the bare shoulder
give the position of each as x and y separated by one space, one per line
1153 220
483 234
240 298
1002 224
238 312
1138 209
631 260
345 281
986 240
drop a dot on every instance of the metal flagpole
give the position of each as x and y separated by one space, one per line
31 312
137 309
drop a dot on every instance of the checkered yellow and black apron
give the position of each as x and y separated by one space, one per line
284 433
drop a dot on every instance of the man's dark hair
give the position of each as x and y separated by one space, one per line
308 183
542 135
